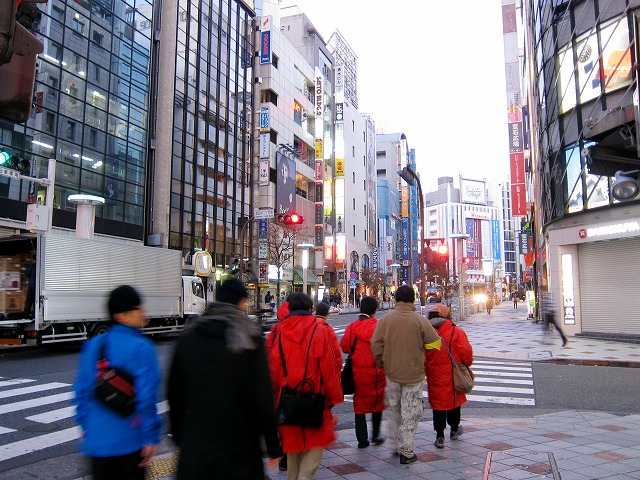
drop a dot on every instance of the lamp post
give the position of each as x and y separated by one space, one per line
409 176
305 263
455 237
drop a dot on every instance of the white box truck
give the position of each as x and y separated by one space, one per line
74 277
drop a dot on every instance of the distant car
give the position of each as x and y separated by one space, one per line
434 294
266 317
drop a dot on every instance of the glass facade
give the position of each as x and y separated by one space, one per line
581 58
212 117
91 108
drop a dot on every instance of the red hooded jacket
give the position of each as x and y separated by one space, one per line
369 380
296 334
439 370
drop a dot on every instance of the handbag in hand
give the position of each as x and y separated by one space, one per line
463 377
296 406
114 387
346 376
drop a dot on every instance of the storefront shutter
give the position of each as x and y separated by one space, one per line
610 286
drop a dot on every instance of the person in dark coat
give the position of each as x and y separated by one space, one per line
369 379
443 398
296 335
30 300
322 312
220 395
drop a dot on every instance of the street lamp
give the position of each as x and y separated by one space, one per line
305 262
409 176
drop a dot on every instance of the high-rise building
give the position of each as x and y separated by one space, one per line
584 152
92 96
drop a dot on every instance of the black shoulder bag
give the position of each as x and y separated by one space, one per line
114 387
297 407
346 377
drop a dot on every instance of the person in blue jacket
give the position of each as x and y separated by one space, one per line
120 447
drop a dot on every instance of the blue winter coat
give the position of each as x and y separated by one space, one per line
106 433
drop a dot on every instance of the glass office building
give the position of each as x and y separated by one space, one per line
202 138
581 58
91 109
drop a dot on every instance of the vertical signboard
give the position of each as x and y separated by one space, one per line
285 184
264 119
495 239
319 170
514 109
265 40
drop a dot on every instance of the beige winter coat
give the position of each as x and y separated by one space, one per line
399 341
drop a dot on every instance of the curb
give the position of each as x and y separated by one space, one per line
591 363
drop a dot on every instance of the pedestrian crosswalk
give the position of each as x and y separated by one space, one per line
503 382
23 408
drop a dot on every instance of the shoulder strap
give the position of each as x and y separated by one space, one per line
284 364
353 344
453 362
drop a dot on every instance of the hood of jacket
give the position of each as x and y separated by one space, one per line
297 325
228 321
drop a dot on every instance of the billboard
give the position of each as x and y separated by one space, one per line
285 184
473 191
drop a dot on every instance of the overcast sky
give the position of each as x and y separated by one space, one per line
433 70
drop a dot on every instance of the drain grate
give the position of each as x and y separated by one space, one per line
542 464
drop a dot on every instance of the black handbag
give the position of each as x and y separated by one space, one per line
114 387
346 377
296 406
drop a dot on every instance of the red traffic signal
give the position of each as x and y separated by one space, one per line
443 249
290 219
466 260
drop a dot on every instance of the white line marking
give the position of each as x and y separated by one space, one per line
14 407
68 412
507 381
15 381
483 388
507 400
35 388
53 415
23 447
489 362
6 430
501 369
502 374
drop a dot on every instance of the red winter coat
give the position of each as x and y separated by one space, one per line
439 370
369 380
335 346
295 333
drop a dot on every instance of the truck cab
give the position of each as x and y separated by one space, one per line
193 301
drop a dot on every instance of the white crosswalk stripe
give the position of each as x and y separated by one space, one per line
22 441
509 383
498 382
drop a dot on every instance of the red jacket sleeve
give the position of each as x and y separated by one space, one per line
330 375
463 347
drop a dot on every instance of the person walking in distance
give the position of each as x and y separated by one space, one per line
398 344
445 400
549 316
120 447
368 378
515 297
302 349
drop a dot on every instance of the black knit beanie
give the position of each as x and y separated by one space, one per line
123 299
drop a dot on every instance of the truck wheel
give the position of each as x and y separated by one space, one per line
99 329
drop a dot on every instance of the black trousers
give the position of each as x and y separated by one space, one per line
361 426
443 417
121 467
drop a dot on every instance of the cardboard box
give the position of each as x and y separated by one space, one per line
10 264
13 302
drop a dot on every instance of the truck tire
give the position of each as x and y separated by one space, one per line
99 329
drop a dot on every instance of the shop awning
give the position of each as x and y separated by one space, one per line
312 278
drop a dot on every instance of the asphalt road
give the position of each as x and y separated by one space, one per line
557 387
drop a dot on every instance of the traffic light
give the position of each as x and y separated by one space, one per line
289 219
466 260
7 160
18 50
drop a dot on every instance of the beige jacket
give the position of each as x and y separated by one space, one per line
399 341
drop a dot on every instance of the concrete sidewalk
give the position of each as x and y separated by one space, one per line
572 445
